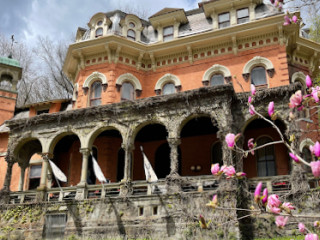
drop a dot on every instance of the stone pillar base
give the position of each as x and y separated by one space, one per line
4 196
82 191
41 194
174 183
126 188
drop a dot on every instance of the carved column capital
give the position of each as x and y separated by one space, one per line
174 141
85 151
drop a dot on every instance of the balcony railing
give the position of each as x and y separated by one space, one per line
275 184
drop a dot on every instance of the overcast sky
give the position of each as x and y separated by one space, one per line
59 19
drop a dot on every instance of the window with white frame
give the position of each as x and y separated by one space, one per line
217 79
167 33
95 93
99 32
242 15
127 91
258 76
224 20
168 88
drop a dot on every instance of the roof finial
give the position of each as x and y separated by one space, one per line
11 50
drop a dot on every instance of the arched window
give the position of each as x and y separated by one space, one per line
131 34
99 32
258 76
95 93
265 158
131 25
216 79
168 88
216 153
307 156
127 91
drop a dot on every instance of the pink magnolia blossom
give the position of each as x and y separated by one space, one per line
287 20
272 209
314 93
249 99
308 81
315 149
294 157
294 19
281 221
315 167
229 171
273 200
271 109
251 110
251 145
257 192
215 169
302 228
296 100
230 139
311 236
253 89
240 175
264 196
287 206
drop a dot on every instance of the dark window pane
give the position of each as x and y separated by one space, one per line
99 23
168 33
217 79
224 17
99 32
131 34
258 76
265 158
216 153
168 89
131 25
95 94
127 91
242 13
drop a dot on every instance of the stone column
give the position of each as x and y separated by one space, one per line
173 144
128 149
5 192
44 170
21 181
84 170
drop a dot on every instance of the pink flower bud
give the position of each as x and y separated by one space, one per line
251 110
229 171
302 228
230 139
281 221
315 149
249 99
287 206
215 168
265 196
315 167
294 19
253 89
257 192
314 93
294 157
251 145
273 200
308 81
296 99
271 109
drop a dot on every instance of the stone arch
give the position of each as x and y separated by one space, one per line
145 123
90 138
33 144
257 61
299 77
128 77
185 120
52 144
93 23
93 77
216 68
305 142
166 79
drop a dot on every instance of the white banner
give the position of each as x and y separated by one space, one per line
57 172
150 174
97 171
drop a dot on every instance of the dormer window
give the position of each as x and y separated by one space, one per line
168 33
243 15
99 32
224 20
131 34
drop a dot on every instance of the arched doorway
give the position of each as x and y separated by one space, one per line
271 160
197 137
150 137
